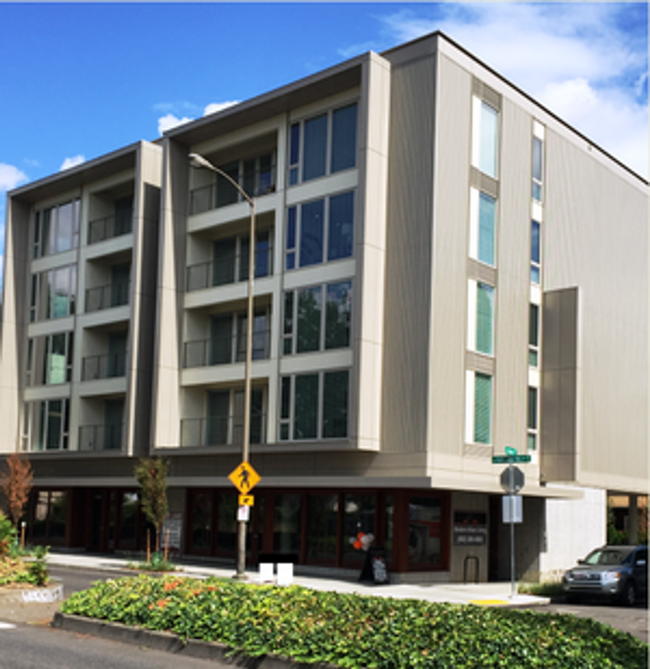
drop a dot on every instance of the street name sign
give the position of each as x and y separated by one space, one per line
508 459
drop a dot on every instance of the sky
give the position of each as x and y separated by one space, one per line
80 80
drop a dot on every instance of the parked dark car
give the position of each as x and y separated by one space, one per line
618 573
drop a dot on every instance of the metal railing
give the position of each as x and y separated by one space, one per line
225 350
109 227
217 195
107 366
105 297
221 430
100 437
227 271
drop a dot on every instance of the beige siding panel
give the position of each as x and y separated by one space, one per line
408 258
451 247
513 292
584 246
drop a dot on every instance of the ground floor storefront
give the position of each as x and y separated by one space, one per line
434 535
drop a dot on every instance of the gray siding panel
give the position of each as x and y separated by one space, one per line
408 257
584 246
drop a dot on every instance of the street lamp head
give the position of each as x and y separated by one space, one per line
199 162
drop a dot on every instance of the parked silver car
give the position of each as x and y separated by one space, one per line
619 573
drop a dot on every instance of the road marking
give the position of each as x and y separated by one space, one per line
7 626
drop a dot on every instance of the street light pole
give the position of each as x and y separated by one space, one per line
199 161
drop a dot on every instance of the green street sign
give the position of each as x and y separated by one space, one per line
509 459
510 450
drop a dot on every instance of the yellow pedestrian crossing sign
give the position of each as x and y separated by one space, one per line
246 500
244 478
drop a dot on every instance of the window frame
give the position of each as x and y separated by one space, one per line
46 239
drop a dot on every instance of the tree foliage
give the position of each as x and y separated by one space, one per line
16 484
151 474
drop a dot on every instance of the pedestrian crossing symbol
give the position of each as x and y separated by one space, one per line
244 478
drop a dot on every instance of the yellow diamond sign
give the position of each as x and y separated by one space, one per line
244 478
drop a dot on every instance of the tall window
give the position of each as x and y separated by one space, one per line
478 414
480 329
50 420
535 253
485 137
56 229
317 318
53 293
533 336
533 412
320 231
322 145
538 161
314 406
49 359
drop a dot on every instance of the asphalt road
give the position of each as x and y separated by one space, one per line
27 641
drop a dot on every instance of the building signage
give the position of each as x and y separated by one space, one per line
470 528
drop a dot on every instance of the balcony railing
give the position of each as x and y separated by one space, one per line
100 437
109 227
227 271
225 350
221 194
105 297
222 430
107 366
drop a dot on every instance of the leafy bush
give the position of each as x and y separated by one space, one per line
157 562
356 631
38 568
7 534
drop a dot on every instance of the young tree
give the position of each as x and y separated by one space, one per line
151 474
16 484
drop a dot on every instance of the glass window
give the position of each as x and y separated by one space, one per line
129 516
201 521
341 224
306 407
315 148
58 508
337 315
486 228
226 192
533 336
287 522
358 516
425 518
485 319
309 319
291 239
535 252
56 229
538 157
344 138
311 233
482 409
533 417
57 367
335 405
294 153
227 523
489 140
322 521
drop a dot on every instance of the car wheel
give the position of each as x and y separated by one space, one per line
628 595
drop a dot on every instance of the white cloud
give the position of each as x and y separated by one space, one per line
571 57
72 162
215 107
10 177
170 121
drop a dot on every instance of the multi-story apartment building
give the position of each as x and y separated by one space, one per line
443 269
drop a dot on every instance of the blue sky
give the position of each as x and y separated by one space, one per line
80 80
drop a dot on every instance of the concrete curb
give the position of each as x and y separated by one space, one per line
172 643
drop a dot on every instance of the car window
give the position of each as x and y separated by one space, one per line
607 556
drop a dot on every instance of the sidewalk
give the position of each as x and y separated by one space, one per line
481 594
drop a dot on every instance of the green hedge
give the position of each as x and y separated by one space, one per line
354 630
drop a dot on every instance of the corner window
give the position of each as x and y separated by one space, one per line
320 231
314 406
49 359
324 144
56 229
53 293
317 318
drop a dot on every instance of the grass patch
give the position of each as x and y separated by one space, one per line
354 630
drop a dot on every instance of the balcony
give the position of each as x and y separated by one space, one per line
110 226
226 350
100 437
221 431
229 270
256 176
110 366
105 297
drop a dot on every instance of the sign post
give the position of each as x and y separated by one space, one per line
512 481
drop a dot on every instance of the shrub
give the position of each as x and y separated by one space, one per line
7 534
351 630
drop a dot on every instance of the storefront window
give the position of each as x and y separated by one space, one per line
129 518
425 515
322 516
227 527
287 523
201 521
358 517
